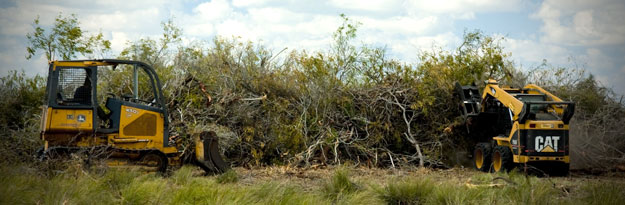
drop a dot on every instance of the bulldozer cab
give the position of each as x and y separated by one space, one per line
114 98
537 108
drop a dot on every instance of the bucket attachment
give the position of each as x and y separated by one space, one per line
207 154
470 98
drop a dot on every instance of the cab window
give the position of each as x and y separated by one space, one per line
73 87
120 83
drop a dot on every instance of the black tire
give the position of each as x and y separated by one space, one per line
502 159
481 157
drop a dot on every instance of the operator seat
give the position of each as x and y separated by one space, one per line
114 105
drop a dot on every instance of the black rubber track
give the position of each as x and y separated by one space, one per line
163 161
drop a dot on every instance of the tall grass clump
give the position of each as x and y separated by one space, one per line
26 185
229 176
406 191
273 193
146 189
526 189
450 193
183 176
603 193
200 190
339 184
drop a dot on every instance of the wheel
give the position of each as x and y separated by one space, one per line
155 160
502 159
481 157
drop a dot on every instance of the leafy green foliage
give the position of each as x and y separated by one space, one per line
20 115
65 40
22 98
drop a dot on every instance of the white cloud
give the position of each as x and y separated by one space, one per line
318 25
213 10
591 27
443 40
587 23
399 24
272 15
235 28
408 49
119 40
598 61
249 3
369 5
464 9
533 52
200 29
11 26
145 20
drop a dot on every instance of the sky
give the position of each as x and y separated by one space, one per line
569 33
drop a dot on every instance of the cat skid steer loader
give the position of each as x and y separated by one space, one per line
134 132
516 126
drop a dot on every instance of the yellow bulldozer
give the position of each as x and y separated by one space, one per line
516 127
128 130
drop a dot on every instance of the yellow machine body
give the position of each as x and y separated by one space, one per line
516 126
134 130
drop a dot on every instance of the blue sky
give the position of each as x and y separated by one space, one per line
570 33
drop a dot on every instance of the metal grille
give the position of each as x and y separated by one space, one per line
145 125
74 85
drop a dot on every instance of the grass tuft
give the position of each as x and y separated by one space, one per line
603 193
183 176
23 184
403 191
230 176
339 184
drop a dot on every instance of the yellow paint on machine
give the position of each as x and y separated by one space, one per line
199 149
64 120
140 129
525 159
79 64
544 125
